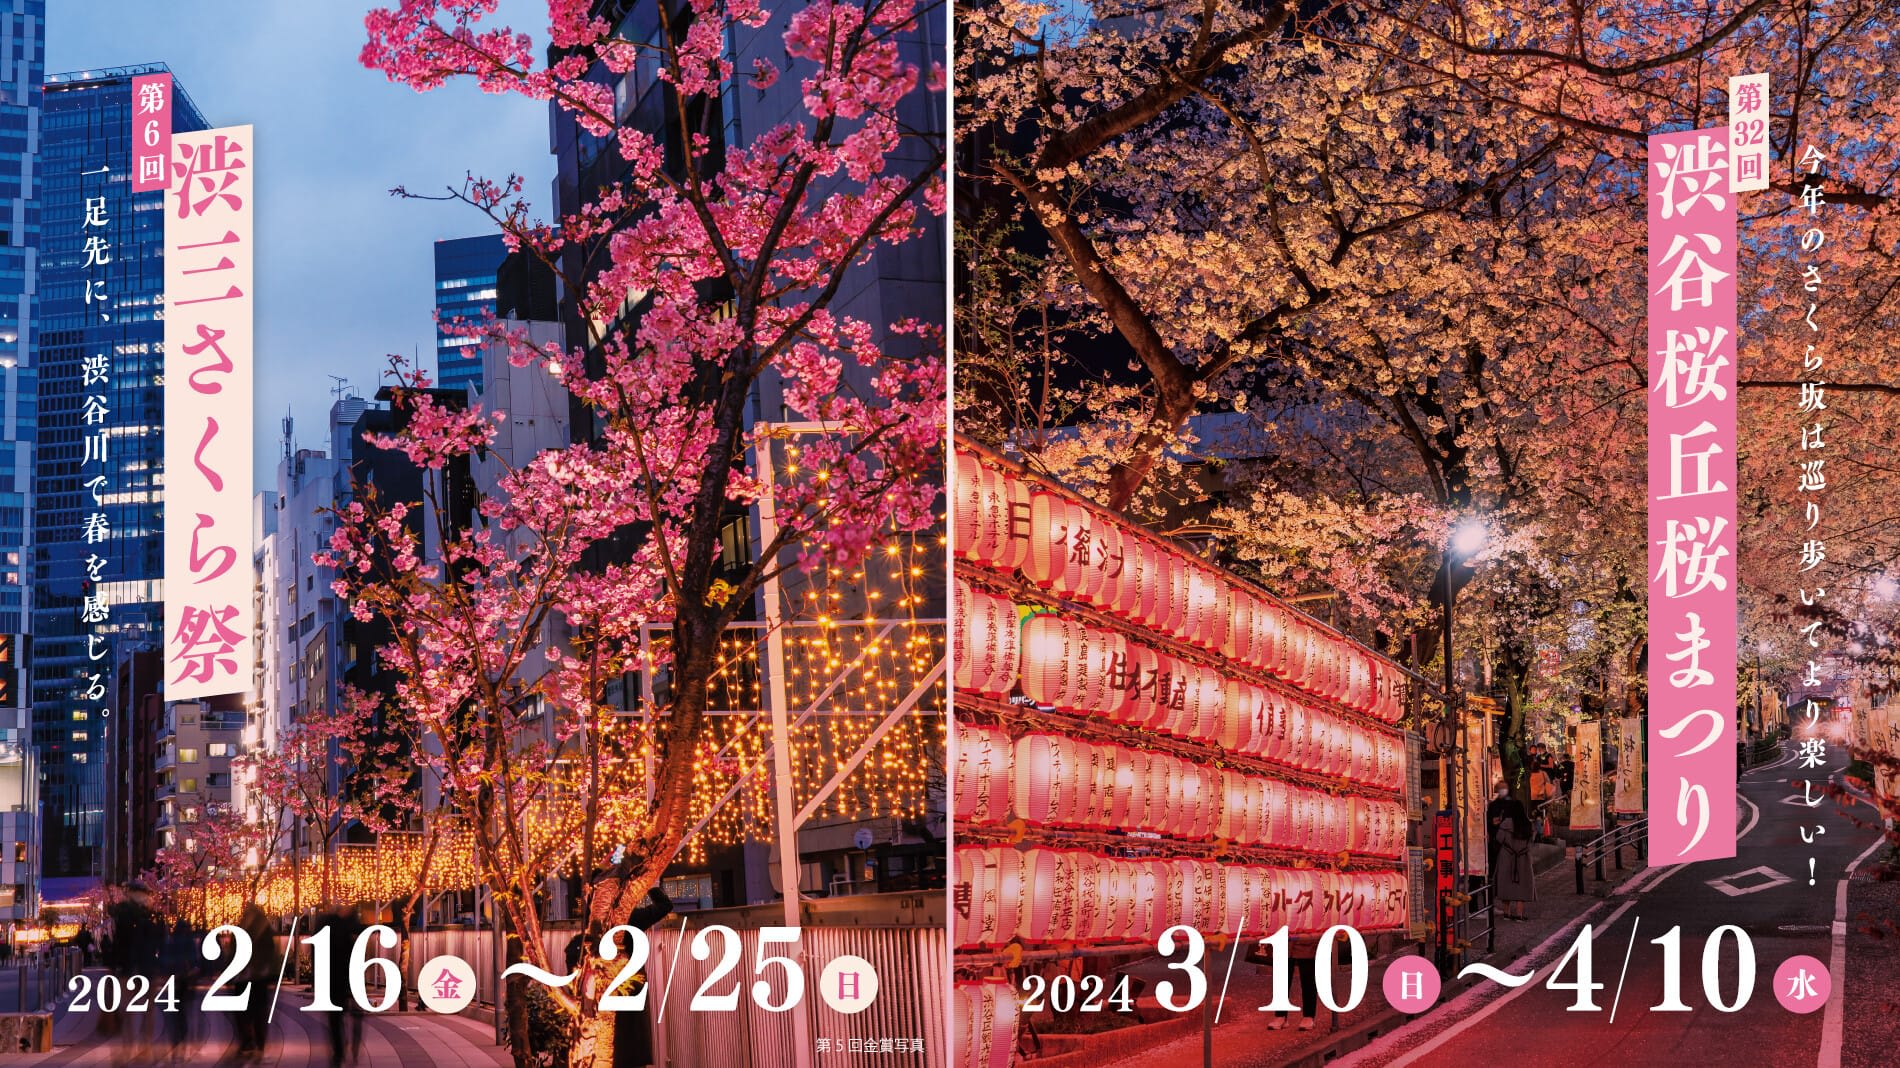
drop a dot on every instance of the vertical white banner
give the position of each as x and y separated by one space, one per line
208 372
1629 767
1475 787
1586 792
1748 132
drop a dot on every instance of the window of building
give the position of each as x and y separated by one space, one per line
189 786
187 756
218 749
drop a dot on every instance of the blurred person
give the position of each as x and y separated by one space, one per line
346 1025
178 960
260 978
136 941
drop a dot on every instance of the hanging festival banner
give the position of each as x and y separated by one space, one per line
1586 792
1474 786
1629 767
1692 479
209 613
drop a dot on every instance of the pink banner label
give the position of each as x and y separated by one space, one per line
1692 579
151 131
209 253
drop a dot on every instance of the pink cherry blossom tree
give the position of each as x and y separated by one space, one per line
1401 242
700 276
331 767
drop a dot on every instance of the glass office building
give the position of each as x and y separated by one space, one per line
101 284
465 272
22 68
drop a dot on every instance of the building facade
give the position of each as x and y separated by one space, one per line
96 597
465 277
22 72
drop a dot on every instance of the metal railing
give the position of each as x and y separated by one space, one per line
1632 834
1482 907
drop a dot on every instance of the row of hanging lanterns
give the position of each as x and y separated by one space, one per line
1069 666
1054 781
1062 545
1048 896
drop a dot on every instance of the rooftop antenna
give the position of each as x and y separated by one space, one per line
289 423
340 387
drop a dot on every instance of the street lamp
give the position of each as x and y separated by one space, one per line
1467 540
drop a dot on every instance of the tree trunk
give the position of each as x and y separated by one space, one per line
595 1047
515 997
1514 668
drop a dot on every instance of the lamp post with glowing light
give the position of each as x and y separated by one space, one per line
1467 540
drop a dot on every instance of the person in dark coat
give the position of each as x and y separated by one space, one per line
345 925
253 1023
179 962
137 939
1512 874
633 1033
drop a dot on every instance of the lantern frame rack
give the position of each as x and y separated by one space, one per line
1088 727
1024 593
1418 685
1164 847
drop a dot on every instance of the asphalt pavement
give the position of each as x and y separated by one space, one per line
1768 891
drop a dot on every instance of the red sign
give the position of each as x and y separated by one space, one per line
1446 837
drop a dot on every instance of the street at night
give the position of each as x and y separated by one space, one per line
1768 898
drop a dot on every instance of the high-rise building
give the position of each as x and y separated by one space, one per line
22 69
465 273
101 282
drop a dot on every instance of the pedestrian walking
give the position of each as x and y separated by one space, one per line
252 1023
136 939
1512 875
178 961
346 1025
1306 970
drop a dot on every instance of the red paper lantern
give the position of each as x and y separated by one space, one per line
1239 809
984 759
1299 735
966 496
1050 524
1172 614
1206 608
1072 667
1002 531
1202 706
1363 757
1154 909
1240 713
1045 786
987 1015
987 643
1048 903
992 879
1240 626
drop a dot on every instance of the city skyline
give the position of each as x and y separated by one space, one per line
325 307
